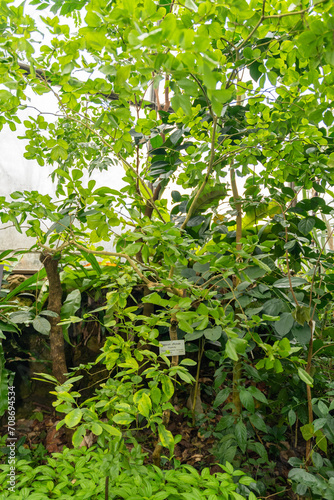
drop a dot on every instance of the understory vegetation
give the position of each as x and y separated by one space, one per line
220 115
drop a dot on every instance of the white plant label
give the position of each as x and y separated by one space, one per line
172 348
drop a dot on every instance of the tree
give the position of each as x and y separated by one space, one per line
246 132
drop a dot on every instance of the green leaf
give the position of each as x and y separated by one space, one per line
188 362
247 400
111 430
181 101
230 351
156 141
261 264
166 437
258 422
328 118
251 496
58 152
96 429
194 335
145 405
329 57
284 325
68 309
307 431
195 221
190 4
317 460
60 225
79 435
323 408
155 395
301 476
248 53
302 333
92 261
185 376
257 394
176 196
185 326
41 325
321 441
284 282
174 138
306 225
48 377
292 417
240 432
71 304
20 317
123 418
132 248
305 377
73 418
302 314
213 333
273 307
210 197
221 397
222 95
167 386
154 298
267 317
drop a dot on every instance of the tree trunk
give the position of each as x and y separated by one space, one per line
57 344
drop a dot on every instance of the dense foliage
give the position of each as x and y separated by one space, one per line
231 101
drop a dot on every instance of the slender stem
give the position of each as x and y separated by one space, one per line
273 16
237 372
309 393
108 146
173 336
204 93
100 252
106 496
207 176
296 433
200 354
321 348
238 206
288 267
149 283
237 365
255 27
202 186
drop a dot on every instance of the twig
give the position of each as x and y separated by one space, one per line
207 176
273 16
204 93
199 192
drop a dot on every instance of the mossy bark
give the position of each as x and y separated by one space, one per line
57 344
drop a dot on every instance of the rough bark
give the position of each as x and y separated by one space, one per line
57 344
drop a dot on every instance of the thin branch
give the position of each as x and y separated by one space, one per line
149 283
207 176
255 27
274 16
204 93
199 192
41 74
94 132
321 348
316 266
288 268
98 252
227 41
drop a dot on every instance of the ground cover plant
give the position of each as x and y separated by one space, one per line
220 114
